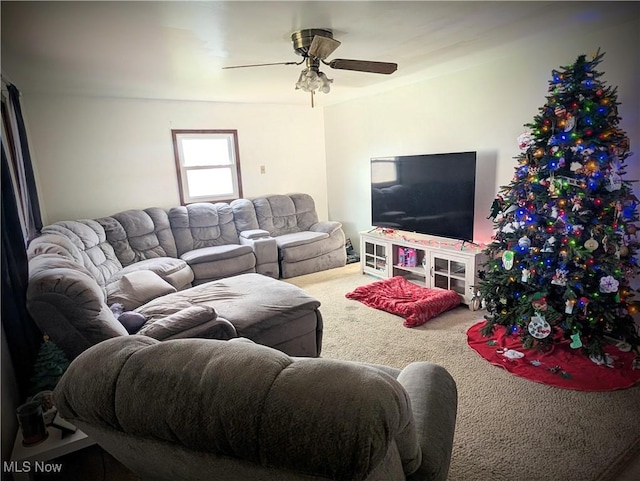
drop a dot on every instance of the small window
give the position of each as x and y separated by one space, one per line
208 165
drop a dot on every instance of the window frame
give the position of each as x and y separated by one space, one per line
231 136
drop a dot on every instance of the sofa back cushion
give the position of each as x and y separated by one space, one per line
54 244
201 225
244 215
321 417
90 241
137 235
285 214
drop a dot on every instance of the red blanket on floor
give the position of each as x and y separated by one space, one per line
399 296
561 366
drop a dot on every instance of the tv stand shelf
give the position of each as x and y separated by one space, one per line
424 260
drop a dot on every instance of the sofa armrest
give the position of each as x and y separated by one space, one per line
264 248
254 234
69 305
434 401
328 227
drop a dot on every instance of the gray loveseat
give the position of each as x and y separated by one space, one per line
148 261
198 409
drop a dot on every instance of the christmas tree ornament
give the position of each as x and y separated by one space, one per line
608 284
583 302
539 302
602 360
614 182
560 277
539 327
576 342
525 140
575 167
570 123
496 207
623 346
511 353
560 111
568 306
524 242
548 244
630 237
591 244
526 273
507 259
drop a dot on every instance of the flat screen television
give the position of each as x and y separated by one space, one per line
429 194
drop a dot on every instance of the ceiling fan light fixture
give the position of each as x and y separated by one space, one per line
311 80
326 83
314 45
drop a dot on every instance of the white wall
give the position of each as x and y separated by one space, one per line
95 157
482 108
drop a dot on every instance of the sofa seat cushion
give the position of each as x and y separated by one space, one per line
307 245
299 239
175 271
253 303
215 253
217 262
137 288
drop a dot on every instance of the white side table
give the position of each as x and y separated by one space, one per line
26 461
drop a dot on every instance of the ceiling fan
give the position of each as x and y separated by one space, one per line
314 45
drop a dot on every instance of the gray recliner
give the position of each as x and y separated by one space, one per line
305 245
195 409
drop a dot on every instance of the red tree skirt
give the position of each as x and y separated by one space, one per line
561 366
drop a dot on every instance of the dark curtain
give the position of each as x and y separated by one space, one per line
25 190
22 335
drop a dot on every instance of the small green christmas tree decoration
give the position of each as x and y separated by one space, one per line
50 365
564 249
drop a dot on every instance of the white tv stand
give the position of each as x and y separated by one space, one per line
444 263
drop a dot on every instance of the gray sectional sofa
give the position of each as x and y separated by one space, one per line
201 270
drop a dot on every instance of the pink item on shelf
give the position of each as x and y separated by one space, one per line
402 257
411 257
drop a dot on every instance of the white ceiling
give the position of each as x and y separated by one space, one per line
176 50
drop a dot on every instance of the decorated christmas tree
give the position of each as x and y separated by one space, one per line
564 248
50 365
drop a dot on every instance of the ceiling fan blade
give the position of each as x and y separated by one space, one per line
263 65
321 47
363 66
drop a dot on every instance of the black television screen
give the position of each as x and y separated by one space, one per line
429 194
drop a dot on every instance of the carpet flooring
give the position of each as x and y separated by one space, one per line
508 428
